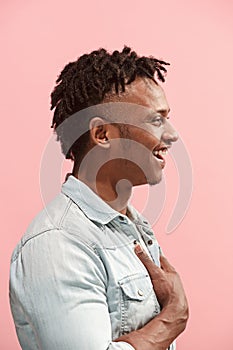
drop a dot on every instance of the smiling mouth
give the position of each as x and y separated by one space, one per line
159 154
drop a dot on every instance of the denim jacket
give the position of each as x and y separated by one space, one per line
75 280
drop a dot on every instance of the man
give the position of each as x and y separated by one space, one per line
89 273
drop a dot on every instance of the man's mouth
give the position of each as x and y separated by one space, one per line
159 154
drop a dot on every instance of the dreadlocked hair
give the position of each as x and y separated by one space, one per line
86 81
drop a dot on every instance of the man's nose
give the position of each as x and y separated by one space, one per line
170 134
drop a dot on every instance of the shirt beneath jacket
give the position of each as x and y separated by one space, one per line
75 280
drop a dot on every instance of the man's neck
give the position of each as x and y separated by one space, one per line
115 193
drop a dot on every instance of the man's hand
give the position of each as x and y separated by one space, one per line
166 281
160 332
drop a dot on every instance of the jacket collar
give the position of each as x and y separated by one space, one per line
94 207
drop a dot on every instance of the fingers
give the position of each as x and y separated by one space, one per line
149 264
165 265
153 270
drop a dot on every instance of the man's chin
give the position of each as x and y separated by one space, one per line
155 181
151 181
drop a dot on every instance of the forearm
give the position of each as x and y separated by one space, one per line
160 332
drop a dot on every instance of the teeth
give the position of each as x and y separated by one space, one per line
161 152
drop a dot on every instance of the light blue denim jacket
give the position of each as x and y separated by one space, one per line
75 280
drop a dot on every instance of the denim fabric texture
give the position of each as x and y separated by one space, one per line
75 280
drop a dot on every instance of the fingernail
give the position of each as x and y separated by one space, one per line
138 249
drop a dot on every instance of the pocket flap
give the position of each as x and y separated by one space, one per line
137 286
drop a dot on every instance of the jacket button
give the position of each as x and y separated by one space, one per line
140 292
150 242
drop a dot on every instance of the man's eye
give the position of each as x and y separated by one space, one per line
157 121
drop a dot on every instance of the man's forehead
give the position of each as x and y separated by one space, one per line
147 93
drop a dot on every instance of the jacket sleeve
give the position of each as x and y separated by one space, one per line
58 295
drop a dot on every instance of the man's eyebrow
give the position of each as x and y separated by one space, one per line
164 111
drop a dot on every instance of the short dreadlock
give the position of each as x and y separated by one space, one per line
86 81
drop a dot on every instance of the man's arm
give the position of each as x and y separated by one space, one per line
58 296
160 332
59 284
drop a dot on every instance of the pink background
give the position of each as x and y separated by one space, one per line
38 39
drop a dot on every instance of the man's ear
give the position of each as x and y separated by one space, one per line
99 132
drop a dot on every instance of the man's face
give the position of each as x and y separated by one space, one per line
146 136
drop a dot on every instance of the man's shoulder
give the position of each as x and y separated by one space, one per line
60 217
59 214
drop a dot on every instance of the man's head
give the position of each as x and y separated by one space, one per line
101 77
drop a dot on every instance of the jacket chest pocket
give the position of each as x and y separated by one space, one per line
138 302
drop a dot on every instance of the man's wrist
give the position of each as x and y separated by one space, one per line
160 332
